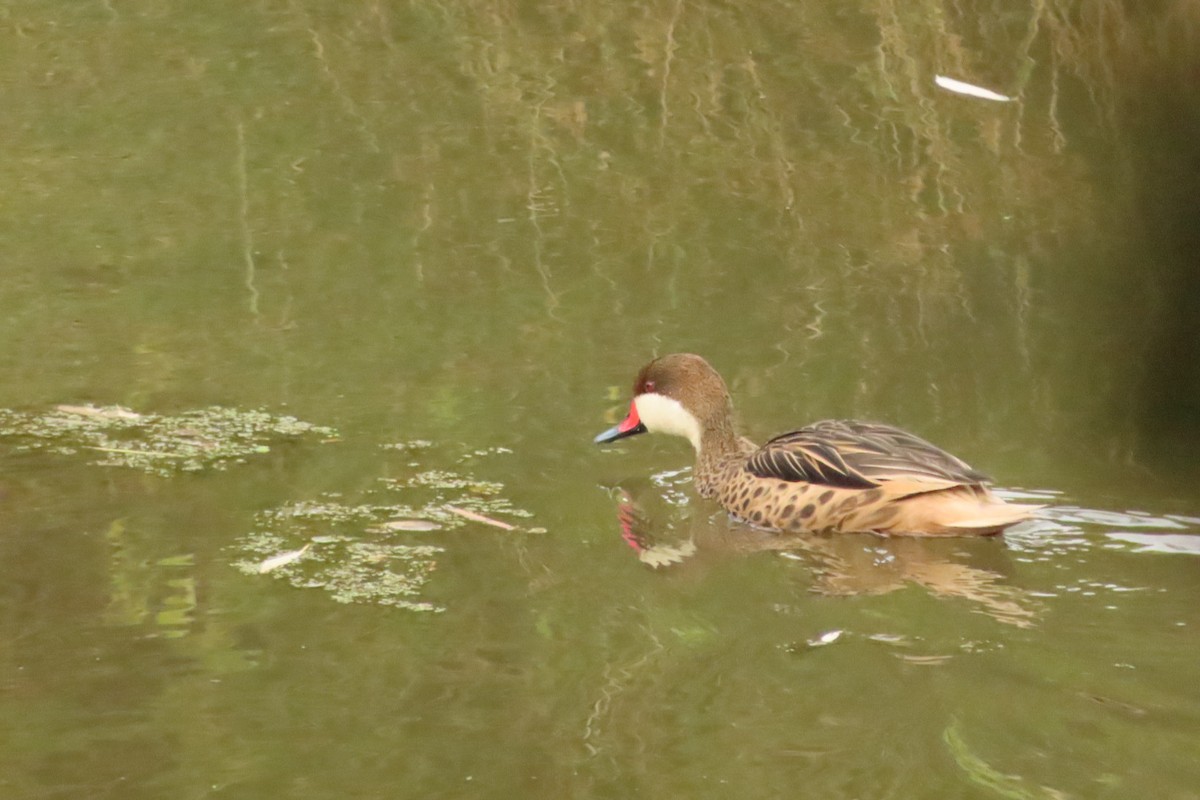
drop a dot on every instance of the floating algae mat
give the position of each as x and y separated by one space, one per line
382 547
208 438
351 567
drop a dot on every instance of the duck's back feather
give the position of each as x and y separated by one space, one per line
859 455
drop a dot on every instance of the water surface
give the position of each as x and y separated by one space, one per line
450 234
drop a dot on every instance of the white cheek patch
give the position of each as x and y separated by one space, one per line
662 414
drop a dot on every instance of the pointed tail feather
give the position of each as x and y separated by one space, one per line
993 517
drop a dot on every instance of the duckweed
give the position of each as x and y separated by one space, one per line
376 548
381 572
193 441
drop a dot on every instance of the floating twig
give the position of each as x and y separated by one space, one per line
112 412
471 515
408 525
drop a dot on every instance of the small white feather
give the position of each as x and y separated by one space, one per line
275 562
959 87
829 637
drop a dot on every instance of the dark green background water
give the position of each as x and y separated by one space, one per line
470 224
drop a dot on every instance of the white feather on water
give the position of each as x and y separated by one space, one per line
275 562
829 637
959 87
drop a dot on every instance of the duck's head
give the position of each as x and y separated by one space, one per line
678 394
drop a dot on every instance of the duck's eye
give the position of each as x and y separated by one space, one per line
648 386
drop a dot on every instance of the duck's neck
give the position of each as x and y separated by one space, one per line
719 452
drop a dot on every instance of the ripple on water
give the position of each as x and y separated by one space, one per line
1159 542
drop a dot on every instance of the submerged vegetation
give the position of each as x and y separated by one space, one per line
983 774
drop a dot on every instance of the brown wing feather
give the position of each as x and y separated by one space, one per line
857 455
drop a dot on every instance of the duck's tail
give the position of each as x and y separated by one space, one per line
989 519
956 511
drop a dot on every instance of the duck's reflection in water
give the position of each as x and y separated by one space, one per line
841 564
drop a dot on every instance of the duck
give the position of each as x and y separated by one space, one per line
833 476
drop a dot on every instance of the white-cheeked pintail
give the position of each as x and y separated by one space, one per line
832 476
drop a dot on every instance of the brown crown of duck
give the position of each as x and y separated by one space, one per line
833 475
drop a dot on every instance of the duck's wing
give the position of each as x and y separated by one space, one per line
859 455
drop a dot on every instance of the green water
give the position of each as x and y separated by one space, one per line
451 233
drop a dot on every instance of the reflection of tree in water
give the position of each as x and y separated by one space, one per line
1159 124
869 194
